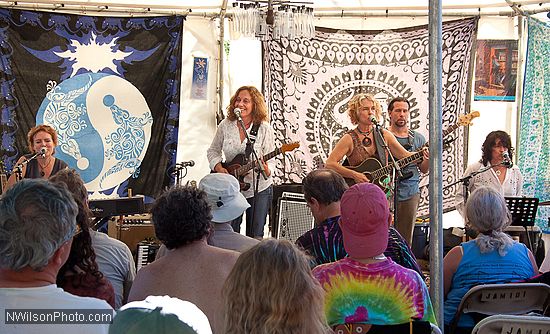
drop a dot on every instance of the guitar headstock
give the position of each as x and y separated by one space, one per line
290 146
466 120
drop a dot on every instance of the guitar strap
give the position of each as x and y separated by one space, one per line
252 135
411 139
380 151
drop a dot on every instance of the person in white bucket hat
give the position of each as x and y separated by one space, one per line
227 203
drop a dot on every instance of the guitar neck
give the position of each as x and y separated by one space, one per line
245 168
445 132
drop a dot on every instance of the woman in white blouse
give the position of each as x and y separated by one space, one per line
504 177
230 140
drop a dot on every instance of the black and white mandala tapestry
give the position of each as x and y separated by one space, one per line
308 84
110 86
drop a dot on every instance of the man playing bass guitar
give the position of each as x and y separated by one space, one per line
408 193
363 142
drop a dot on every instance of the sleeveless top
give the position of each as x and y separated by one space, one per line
33 170
359 152
477 268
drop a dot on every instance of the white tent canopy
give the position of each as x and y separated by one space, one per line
239 62
321 7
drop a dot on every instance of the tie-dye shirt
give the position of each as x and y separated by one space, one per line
380 293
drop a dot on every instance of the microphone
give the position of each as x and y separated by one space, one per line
189 163
43 151
374 121
506 160
237 113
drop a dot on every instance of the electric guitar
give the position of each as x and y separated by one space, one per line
377 174
238 168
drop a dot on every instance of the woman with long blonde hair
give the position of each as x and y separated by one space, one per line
271 291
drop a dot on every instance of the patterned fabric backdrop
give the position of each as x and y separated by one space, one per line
109 86
533 146
309 83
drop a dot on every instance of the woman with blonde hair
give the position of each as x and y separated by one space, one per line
271 290
247 116
364 141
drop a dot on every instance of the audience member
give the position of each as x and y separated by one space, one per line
491 258
227 203
192 270
116 262
323 189
80 275
160 315
37 224
367 287
271 290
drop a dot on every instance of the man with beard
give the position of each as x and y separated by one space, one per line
408 193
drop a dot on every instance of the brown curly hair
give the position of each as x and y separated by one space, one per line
44 128
82 254
259 113
490 141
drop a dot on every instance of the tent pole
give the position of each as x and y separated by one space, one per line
522 46
436 151
220 81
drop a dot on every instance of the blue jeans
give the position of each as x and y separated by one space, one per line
260 204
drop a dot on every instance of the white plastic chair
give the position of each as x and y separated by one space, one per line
508 298
497 324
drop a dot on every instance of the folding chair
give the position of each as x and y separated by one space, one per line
508 298
497 324
413 327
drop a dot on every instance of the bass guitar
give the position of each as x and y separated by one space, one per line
379 175
238 168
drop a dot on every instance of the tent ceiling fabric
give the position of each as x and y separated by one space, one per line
322 7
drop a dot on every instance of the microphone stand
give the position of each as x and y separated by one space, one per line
178 171
255 177
18 169
392 160
466 183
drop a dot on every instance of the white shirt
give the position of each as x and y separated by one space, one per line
228 141
48 297
511 187
114 259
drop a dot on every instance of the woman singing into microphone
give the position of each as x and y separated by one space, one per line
42 140
248 104
503 176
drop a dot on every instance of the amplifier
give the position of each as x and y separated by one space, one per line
134 230
117 206
294 216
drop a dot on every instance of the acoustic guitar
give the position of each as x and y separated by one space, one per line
379 175
238 168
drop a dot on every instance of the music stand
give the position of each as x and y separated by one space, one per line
524 211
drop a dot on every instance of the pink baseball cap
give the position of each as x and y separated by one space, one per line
364 220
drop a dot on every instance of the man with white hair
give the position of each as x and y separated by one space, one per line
37 224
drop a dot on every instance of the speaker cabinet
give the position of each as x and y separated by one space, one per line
294 216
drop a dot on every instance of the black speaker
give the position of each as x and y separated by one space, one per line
294 216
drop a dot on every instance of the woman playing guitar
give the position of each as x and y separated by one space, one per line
363 142
230 139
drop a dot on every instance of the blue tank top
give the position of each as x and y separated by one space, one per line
476 268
